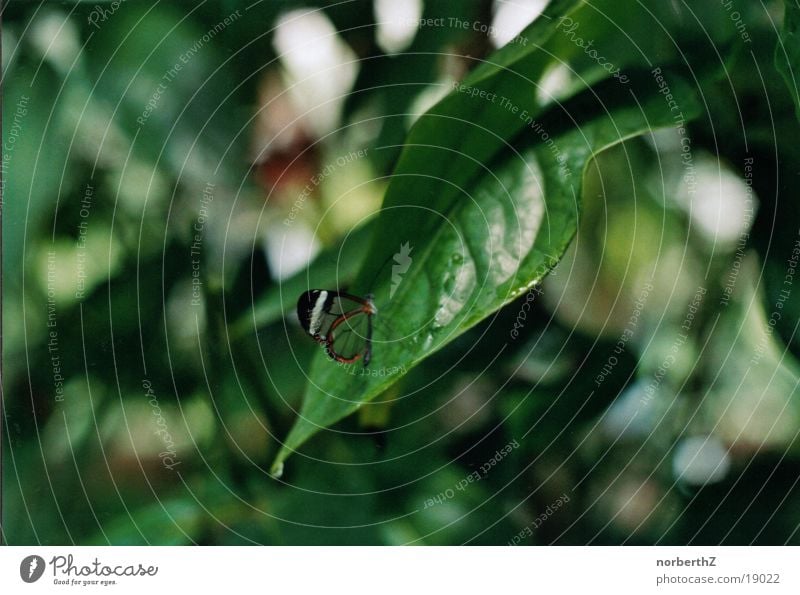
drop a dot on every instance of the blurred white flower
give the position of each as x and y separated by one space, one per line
321 67
512 16
700 460
397 23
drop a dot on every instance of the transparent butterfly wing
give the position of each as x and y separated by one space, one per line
349 337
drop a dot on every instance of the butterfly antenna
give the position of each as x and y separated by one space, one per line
371 286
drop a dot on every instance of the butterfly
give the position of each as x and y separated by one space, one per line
339 321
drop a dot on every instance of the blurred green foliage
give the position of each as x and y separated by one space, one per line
154 249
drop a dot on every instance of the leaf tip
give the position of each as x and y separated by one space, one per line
277 469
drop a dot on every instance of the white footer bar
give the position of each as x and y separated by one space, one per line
390 571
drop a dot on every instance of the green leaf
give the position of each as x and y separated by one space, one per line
519 71
480 192
787 53
330 265
474 252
